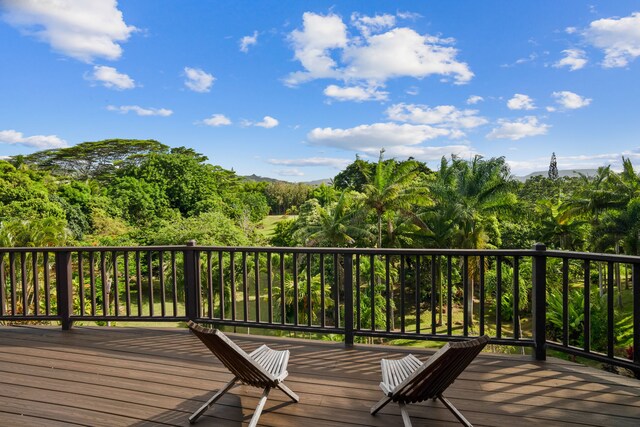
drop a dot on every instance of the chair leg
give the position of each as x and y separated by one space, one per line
193 418
256 414
455 411
286 390
405 414
381 404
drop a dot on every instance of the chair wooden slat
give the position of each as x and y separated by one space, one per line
263 368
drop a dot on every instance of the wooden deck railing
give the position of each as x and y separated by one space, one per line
566 301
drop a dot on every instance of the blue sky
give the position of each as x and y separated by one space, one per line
294 90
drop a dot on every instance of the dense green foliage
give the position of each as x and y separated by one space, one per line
134 191
125 192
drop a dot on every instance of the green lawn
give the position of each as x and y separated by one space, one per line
268 224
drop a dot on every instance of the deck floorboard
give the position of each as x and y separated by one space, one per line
102 376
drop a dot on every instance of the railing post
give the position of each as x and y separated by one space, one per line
635 283
539 297
348 300
191 281
64 288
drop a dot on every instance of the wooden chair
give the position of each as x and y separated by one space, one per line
263 368
408 380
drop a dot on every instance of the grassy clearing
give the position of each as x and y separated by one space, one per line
266 227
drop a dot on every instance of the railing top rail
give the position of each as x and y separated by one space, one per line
366 251
591 256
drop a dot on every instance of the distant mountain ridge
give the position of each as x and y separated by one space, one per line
561 173
257 178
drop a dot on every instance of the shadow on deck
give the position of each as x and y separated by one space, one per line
139 377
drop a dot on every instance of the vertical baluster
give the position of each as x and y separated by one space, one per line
3 283
336 292
358 319
322 290
105 285
23 281
270 287
36 285
283 304
449 305
232 274
309 302
466 297
295 288
587 305
482 296
139 282
163 296
499 297
174 277
150 280
127 289
245 291
116 292
12 280
256 269
610 314
81 283
418 299
387 268
372 298
402 291
209 286
565 302
92 282
434 293
47 284
516 297
635 283
221 283
348 300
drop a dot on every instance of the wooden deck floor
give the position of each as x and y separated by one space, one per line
126 376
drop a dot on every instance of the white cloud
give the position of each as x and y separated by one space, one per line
217 120
198 80
474 99
83 30
41 142
110 77
570 30
268 122
355 93
518 129
319 34
371 138
413 90
619 38
574 59
247 41
570 100
372 24
312 161
521 102
373 58
290 172
441 115
402 52
163 112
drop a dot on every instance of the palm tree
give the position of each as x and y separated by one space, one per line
393 187
559 227
482 189
338 225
